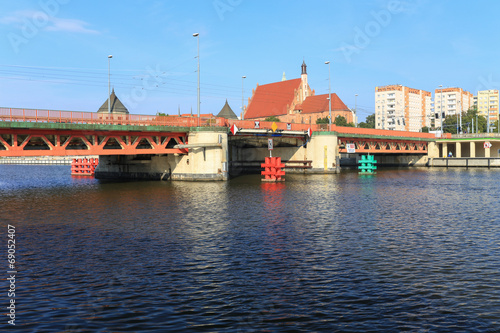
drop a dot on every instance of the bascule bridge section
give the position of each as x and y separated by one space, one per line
128 146
199 148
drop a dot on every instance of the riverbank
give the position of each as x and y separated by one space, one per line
465 162
51 160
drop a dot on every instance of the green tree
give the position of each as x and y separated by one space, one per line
342 121
322 120
273 118
472 113
369 122
450 122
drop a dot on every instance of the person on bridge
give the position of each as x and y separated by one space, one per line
450 154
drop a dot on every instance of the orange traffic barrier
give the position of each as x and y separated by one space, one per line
84 167
273 170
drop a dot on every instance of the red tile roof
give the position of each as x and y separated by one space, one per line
319 103
272 99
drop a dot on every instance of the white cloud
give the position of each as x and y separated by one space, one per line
46 22
17 18
70 25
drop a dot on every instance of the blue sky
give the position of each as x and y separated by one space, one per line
55 52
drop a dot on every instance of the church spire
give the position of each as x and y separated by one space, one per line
305 88
304 66
283 78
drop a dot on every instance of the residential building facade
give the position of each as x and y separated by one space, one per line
450 102
487 103
401 108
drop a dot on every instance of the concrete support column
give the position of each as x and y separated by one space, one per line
472 149
323 151
445 149
458 149
204 160
433 149
487 152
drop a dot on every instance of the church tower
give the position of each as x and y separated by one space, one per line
303 77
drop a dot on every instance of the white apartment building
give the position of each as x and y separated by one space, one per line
402 108
451 101
487 102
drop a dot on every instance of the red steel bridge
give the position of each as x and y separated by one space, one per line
31 132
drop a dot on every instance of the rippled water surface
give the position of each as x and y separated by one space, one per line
406 250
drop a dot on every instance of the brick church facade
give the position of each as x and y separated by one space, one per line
293 101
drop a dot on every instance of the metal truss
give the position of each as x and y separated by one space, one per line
31 142
388 145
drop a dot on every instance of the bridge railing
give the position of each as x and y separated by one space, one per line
330 128
268 125
78 117
475 135
379 132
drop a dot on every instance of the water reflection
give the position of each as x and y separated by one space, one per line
400 251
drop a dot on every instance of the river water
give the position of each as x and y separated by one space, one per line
414 250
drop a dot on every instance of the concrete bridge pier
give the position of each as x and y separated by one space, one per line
247 153
324 151
206 159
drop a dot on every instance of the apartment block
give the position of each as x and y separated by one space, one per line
402 108
451 101
487 102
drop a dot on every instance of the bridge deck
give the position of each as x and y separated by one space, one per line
30 132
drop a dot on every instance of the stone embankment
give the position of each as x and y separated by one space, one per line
56 160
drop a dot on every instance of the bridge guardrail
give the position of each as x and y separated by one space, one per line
81 117
476 135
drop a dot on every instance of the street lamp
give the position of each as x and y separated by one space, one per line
197 35
242 99
355 110
329 95
441 111
109 83
460 110
488 120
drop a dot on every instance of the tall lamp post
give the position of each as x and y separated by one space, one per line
242 99
329 96
488 121
460 110
355 110
197 35
109 83
441 111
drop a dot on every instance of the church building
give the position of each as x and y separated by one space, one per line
293 101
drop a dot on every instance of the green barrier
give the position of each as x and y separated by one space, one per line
367 165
